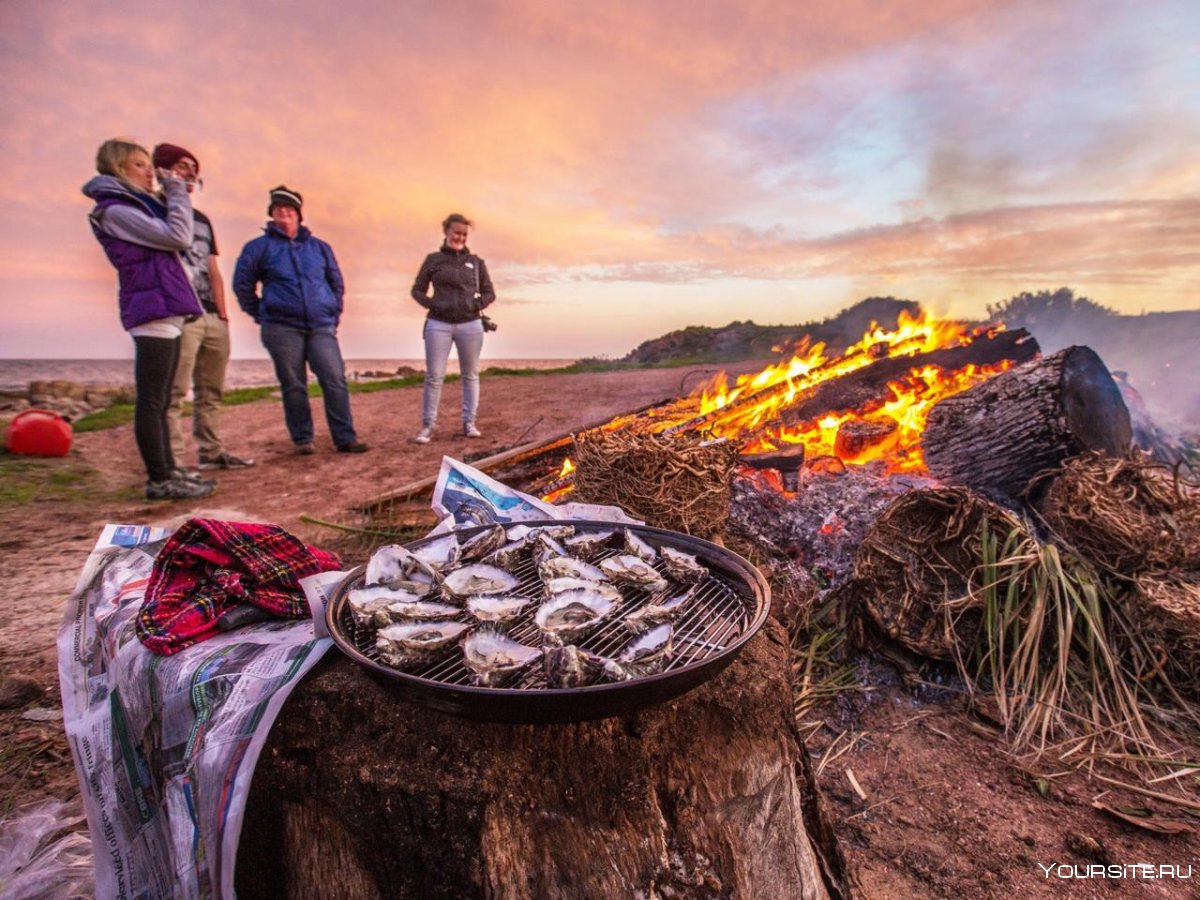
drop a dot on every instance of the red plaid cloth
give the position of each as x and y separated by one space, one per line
208 566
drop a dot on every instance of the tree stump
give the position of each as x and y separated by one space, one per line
996 436
361 794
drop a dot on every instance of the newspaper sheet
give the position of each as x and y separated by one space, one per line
465 496
164 746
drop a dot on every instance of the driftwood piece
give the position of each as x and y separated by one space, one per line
996 436
361 794
869 385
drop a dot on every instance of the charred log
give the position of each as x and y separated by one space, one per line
869 385
996 436
361 794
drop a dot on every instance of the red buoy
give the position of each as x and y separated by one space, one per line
39 432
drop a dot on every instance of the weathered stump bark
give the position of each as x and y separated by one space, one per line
996 436
361 794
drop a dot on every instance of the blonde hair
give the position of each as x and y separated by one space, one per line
114 153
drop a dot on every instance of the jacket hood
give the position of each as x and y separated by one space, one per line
273 230
109 187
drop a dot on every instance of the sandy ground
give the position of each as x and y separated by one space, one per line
922 796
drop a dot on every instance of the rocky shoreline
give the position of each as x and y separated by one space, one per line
69 399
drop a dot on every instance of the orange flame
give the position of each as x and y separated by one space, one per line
890 431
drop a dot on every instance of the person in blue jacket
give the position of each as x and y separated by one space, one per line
298 311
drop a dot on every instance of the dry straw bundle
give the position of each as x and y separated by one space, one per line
679 482
1127 515
1071 665
1138 521
921 553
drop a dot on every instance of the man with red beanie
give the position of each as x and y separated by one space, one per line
204 347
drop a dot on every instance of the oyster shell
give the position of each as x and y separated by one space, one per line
420 609
573 613
568 666
496 607
570 567
368 605
394 565
487 541
630 569
645 655
659 610
410 644
507 557
440 555
682 566
545 547
638 547
478 578
493 657
567 583
587 545
558 532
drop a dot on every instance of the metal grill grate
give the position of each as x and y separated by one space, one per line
730 603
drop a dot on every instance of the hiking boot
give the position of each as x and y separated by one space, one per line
353 447
306 449
179 489
424 435
225 460
469 430
179 474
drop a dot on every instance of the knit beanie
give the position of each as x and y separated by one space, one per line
166 155
285 196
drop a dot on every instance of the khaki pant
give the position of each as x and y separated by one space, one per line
203 353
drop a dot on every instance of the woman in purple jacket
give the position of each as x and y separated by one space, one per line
142 239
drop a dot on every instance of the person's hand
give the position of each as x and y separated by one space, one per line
167 178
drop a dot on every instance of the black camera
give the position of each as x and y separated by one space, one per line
488 324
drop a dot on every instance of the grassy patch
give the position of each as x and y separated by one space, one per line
26 479
238 396
109 417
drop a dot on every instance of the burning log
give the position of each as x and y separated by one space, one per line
998 435
857 436
869 385
359 794
787 462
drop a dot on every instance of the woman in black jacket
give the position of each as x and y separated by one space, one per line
461 291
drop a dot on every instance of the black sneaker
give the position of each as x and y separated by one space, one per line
305 449
225 461
353 447
178 489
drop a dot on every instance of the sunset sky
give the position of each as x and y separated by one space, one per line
632 167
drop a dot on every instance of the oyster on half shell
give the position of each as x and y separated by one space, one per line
493 657
645 655
659 609
572 614
568 666
570 567
478 578
681 566
629 569
487 541
393 565
496 607
411 644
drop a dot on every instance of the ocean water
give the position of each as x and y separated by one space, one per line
16 374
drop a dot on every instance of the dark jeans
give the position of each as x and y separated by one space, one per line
292 349
154 365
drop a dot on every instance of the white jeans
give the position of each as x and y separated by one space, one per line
467 337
